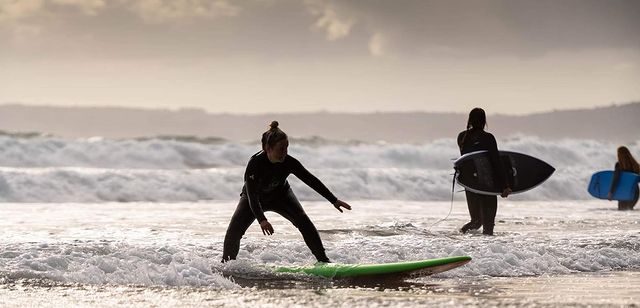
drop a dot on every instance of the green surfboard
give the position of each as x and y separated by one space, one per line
408 268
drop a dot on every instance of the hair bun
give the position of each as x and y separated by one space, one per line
274 124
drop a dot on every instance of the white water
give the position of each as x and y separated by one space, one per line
181 244
98 222
48 169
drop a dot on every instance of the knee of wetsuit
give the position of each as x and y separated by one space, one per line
302 222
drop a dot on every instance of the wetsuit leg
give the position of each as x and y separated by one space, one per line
289 207
489 210
622 205
474 203
628 205
240 221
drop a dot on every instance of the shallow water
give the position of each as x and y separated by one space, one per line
167 254
606 289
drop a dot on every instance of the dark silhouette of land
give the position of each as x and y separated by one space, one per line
620 123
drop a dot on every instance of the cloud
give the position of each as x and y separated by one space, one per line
12 10
159 11
377 45
483 27
329 20
89 7
17 9
303 28
154 11
58 25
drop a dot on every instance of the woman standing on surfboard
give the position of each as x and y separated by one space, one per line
482 208
626 162
266 189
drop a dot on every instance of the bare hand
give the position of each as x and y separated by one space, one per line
505 192
266 227
340 204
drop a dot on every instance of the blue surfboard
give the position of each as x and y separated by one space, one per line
625 191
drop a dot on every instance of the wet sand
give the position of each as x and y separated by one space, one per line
574 290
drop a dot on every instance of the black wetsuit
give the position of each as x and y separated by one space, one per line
622 205
266 189
482 208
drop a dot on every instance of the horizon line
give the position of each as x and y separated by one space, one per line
375 112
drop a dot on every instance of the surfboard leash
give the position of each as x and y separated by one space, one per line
453 189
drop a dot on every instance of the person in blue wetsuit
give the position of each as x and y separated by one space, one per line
482 208
626 162
266 189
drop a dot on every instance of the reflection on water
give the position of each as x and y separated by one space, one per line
575 290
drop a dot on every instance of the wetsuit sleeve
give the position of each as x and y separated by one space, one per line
616 178
494 156
251 178
305 176
460 139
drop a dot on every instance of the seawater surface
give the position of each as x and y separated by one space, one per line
167 254
96 170
140 222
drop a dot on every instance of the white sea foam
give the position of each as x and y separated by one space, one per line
181 244
157 153
47 169
105 185
120 154
103 263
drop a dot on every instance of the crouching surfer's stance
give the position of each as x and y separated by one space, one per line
266 189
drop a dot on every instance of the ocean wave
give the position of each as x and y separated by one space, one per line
119 154
116 185
50 169
192 152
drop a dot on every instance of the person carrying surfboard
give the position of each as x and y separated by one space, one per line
266 189
625 162
482 208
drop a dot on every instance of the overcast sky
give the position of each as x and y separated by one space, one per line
256 56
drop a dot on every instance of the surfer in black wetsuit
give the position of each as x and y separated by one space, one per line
482 208
626 162
266 189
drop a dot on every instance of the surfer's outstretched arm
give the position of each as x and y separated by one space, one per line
312 181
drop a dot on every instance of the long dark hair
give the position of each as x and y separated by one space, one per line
626 160
272 136
477 120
